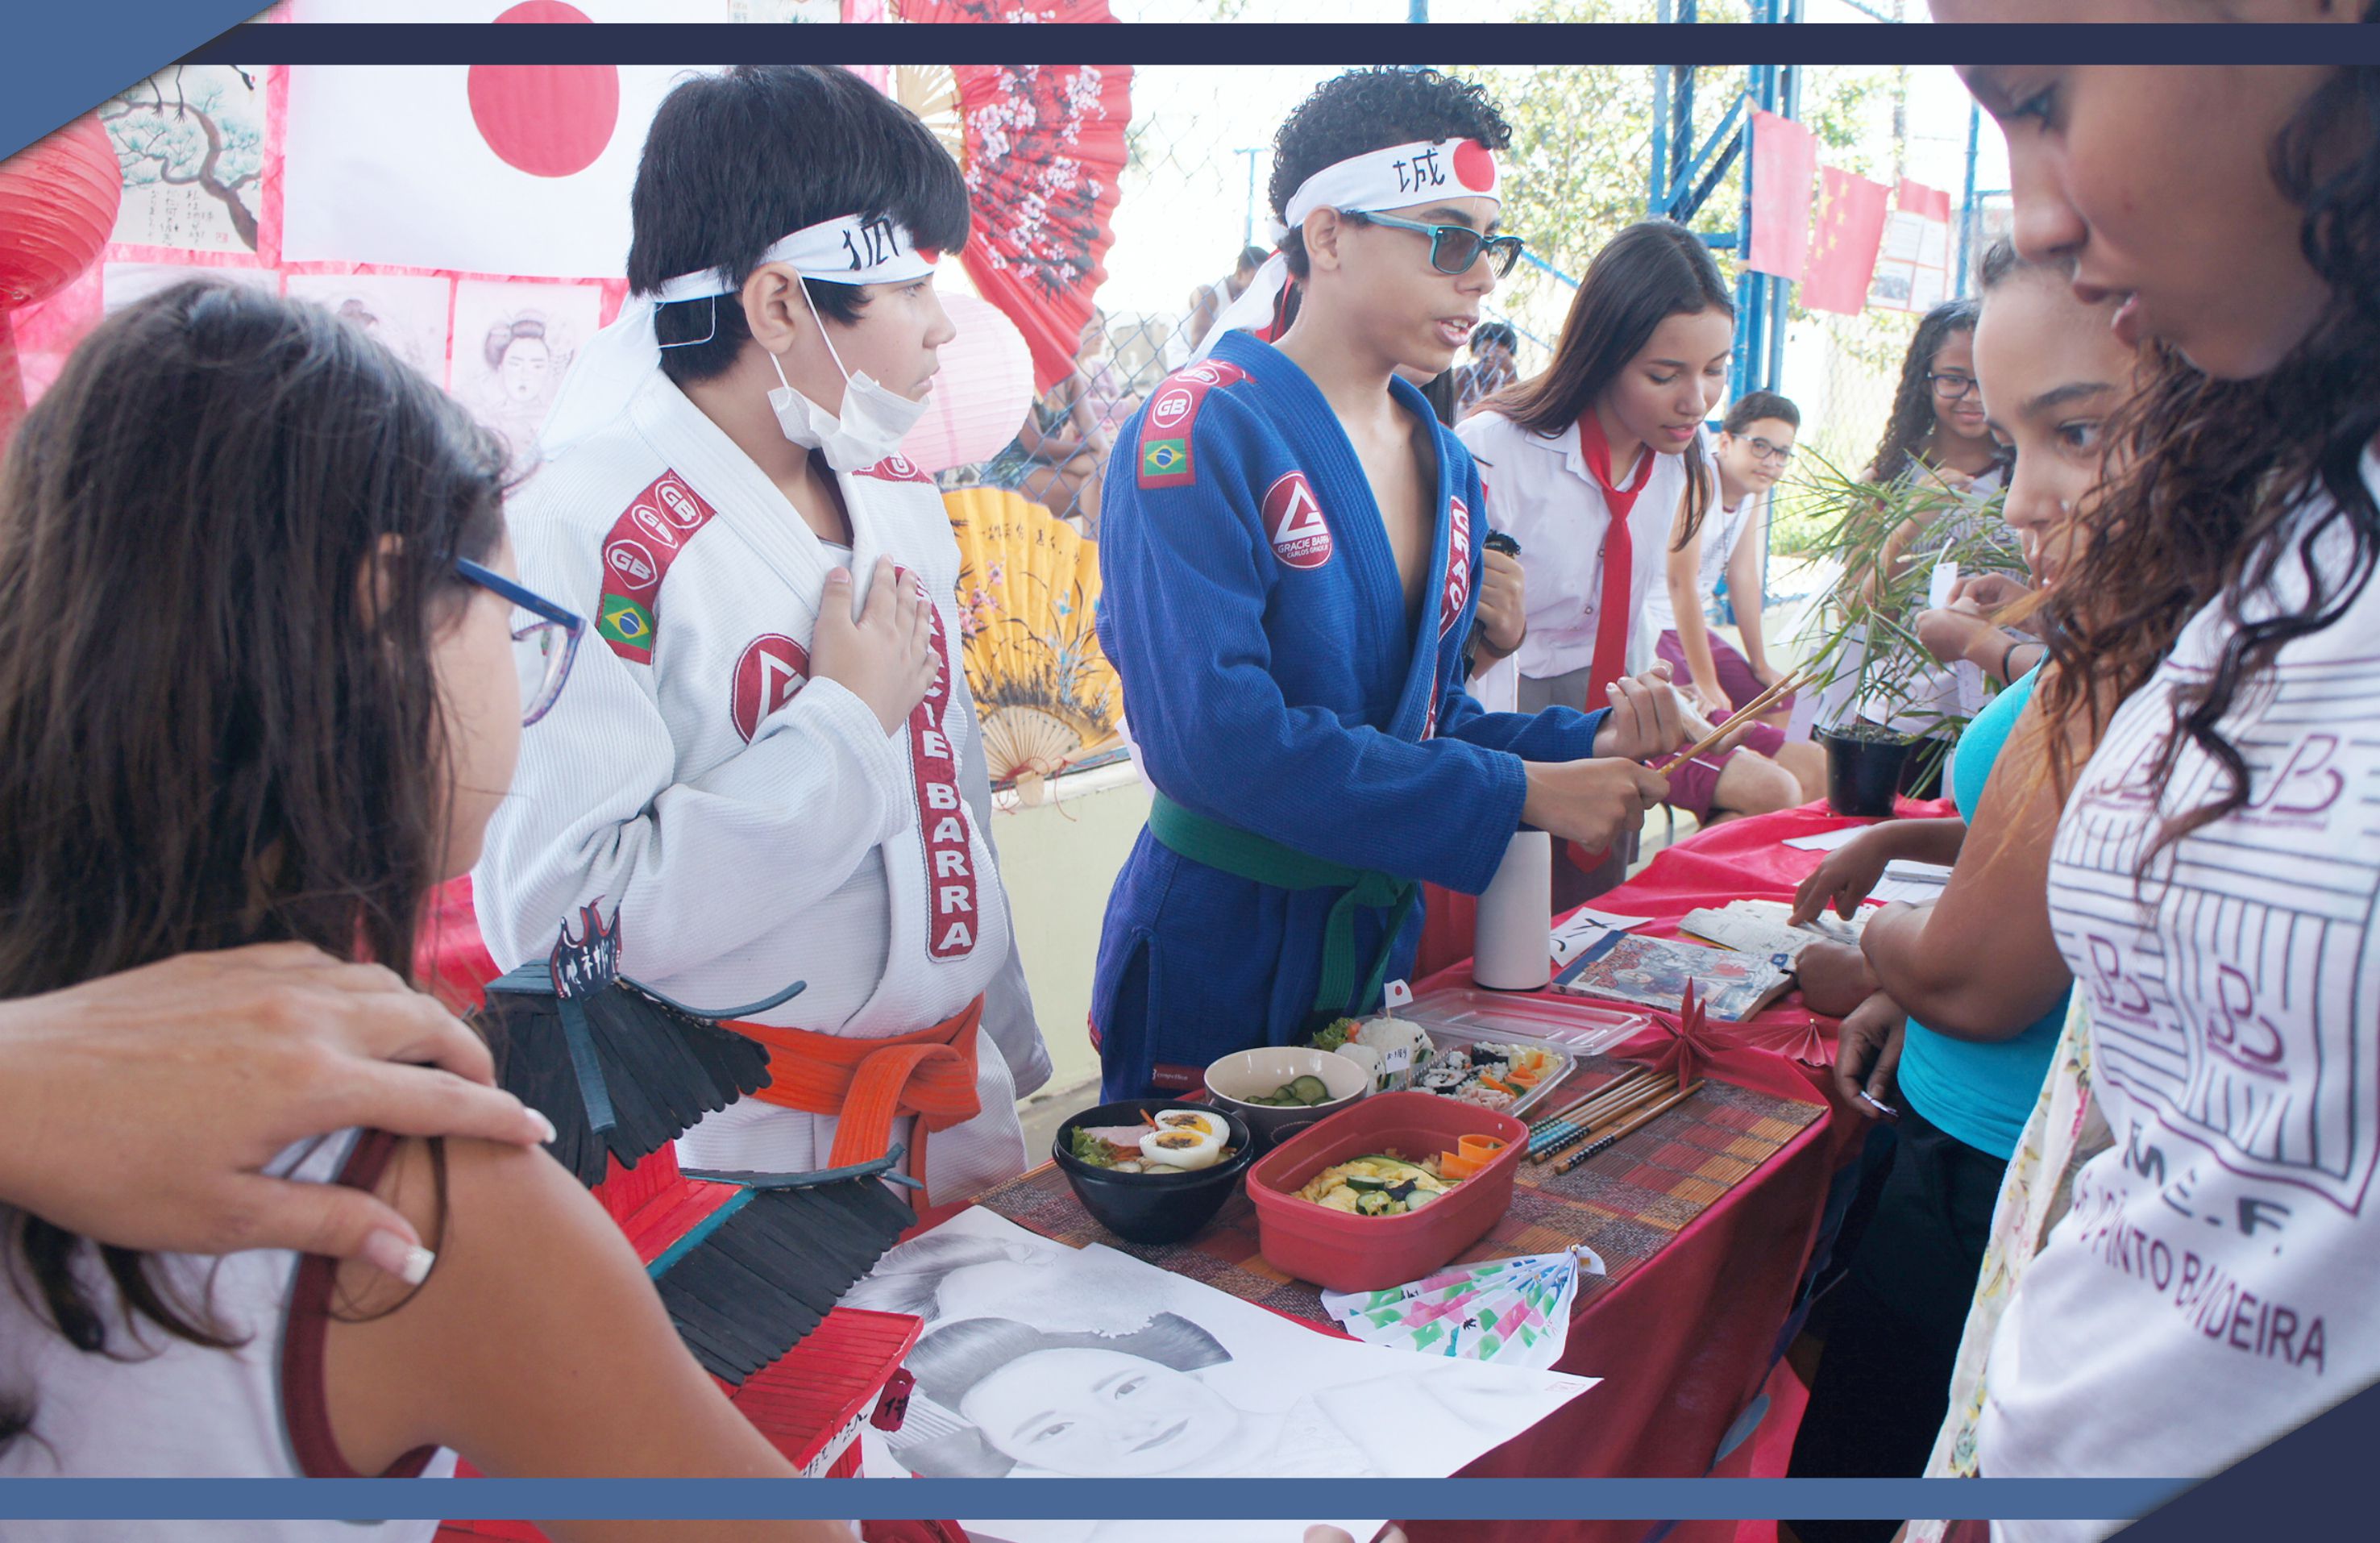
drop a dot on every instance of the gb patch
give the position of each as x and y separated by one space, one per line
1168 424
638 552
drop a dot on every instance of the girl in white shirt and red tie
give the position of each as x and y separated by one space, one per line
1597 467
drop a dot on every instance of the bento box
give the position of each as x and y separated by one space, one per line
1345 1252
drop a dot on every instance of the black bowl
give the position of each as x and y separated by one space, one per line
1152 1207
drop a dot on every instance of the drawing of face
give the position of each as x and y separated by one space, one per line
526 370
1100 1414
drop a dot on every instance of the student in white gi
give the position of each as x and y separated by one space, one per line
766 789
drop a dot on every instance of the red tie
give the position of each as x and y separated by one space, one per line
1611 622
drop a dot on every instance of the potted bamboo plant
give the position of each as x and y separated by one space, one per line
1894 712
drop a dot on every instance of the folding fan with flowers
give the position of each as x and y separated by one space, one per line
1043 150
1029 587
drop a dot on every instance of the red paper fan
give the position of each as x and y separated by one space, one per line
1043 149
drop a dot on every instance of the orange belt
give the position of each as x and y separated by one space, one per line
868 1084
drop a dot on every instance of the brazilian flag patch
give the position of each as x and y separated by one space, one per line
626 626
1164 461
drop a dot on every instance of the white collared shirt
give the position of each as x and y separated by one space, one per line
1540 492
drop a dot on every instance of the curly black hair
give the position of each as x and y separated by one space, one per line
1912 402
1372 109
2227 481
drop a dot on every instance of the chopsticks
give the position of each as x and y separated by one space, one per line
1739 716
1637 1122
1581 1110
1618 1101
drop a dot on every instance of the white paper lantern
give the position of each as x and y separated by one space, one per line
981 394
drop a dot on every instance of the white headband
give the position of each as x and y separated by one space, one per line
613 365
1396 178
846 249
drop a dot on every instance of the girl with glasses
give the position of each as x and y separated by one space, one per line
258 683
1937 415
1600 469
1291 555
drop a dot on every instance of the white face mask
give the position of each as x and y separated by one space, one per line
873 422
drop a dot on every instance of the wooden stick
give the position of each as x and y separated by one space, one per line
1605 1143
1618 1117
1586 1110
1579 1131
1616 1084
1749 709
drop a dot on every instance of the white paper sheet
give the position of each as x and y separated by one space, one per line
1087 1362
1826 840
1586 926
1941 582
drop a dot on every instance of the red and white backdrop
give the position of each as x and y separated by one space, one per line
476 219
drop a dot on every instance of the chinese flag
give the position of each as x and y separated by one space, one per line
1784 164
1844 236
1926 204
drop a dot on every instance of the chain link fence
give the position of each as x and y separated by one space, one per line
1194 195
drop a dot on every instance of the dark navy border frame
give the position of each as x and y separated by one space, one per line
2308 1482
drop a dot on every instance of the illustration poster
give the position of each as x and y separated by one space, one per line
191 142
513 344
409 312
1041 1360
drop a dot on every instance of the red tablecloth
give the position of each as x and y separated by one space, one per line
1686 1343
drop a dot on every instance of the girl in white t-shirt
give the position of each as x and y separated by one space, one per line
2216 880
260 682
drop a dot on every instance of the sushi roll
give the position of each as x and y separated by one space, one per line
1180 1147
1440 1079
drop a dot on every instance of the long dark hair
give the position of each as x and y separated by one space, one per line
204 740
2216 471
1913 419
1648 273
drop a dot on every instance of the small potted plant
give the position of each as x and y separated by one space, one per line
1889 710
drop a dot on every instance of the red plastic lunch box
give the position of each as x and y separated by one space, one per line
1342 1252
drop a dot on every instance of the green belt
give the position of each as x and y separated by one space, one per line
1258 859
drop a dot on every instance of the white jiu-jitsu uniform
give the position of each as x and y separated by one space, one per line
752 826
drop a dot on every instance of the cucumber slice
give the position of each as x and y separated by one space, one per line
1309 1091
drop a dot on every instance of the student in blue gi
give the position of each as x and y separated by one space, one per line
1291 558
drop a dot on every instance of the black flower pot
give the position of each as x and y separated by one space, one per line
1863 773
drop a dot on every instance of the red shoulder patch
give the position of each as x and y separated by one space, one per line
1168 424
895 469
638 552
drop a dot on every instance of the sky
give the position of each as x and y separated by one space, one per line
1197 117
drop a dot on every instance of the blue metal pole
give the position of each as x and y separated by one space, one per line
1780 306
1967 207
1656 200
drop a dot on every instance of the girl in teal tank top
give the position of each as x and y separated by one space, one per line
1981 1092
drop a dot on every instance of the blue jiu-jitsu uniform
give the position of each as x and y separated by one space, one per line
1251 605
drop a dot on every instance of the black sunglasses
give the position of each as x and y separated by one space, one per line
1452 249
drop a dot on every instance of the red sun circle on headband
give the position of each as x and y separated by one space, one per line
1474 165
547 120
